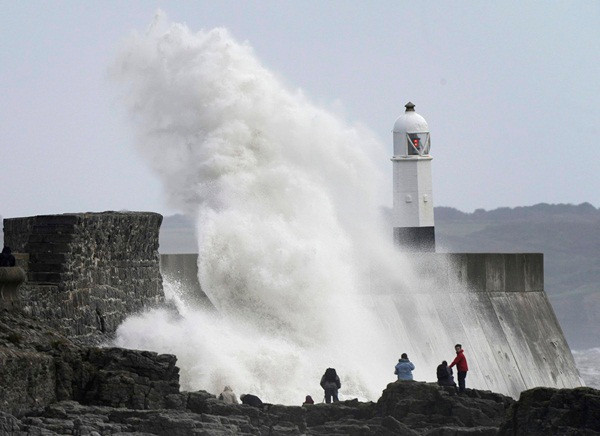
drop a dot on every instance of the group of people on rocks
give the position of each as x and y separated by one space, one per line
330 381
228 396
445 377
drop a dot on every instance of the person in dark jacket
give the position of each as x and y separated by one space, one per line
6 258
404 368
308 400
330 382
251 400
461 366
444 375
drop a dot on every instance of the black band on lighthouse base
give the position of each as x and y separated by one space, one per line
415 239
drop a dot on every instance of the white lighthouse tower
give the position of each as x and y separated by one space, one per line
413 197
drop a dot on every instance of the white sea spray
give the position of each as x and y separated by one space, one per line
285 197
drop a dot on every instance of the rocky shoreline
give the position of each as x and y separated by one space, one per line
51 385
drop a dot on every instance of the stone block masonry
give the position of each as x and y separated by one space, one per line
87 271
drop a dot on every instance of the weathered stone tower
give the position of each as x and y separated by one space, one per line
85 272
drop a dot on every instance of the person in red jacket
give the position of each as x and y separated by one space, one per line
461 365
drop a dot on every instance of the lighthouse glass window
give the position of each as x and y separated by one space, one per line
417 144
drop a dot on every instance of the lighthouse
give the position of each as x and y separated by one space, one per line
413 197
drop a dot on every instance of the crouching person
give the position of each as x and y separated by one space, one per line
445 376
228 396
251 400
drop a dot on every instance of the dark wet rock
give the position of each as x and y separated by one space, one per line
544 411
463 431
387 426
320 414
39 367
129 378
70 417
198 402
425 406
8 424
51 385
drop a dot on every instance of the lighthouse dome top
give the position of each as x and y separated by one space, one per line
410 121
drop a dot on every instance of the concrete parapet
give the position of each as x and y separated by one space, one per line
182 270
483 272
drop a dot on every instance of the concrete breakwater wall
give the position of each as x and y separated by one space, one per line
494 304
85 272
182 270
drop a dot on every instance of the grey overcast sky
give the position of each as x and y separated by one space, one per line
510 89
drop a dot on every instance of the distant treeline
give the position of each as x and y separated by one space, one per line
542 212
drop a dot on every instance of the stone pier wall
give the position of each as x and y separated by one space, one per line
87 271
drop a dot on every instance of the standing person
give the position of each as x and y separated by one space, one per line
330 382
461 365
228 396
6 258
404 368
